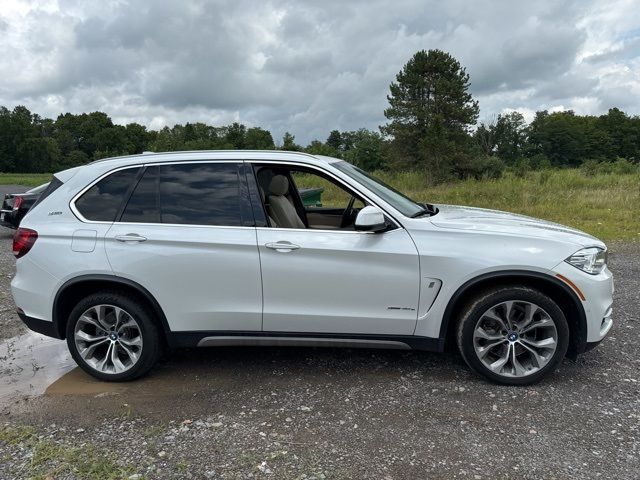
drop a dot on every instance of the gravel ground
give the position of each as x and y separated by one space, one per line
327 413
10 325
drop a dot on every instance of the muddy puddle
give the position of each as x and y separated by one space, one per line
32 364
29 363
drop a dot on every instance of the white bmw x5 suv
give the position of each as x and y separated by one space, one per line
126 256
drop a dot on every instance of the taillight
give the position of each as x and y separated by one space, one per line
23 240
17 202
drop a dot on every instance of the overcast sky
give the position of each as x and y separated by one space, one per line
309 66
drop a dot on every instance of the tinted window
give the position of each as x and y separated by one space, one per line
102 201
200 194
143 205
52 186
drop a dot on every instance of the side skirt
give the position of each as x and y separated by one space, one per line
296 339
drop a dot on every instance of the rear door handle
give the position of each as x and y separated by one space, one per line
130 237
282 246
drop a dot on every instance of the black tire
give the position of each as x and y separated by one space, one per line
151 341
476 308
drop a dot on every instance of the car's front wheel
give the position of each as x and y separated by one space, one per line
513 335
112 337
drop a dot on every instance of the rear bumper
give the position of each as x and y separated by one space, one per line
32 288
44 327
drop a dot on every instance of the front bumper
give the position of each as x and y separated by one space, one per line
597 291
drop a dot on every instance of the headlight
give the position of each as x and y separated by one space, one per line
591 260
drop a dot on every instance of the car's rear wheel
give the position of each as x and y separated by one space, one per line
514 335
113 337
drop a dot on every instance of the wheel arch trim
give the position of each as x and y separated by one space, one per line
578 342
114 281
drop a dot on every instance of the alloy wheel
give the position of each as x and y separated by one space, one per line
515 338
108 339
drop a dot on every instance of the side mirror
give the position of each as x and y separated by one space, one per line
370 219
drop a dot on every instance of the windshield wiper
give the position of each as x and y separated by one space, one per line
427 209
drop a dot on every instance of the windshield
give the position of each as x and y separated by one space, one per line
397 200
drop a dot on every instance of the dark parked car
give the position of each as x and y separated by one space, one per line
16 205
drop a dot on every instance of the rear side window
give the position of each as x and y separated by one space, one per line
50 188
103 201
200 194
143 206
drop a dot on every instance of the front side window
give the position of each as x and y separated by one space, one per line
102 202
302 198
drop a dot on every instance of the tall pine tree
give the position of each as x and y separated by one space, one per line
430 113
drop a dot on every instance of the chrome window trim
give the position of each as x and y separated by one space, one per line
340 181
320 230
79 216
197 225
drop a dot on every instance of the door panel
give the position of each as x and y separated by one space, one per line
329 219
204 278
183 236
339 282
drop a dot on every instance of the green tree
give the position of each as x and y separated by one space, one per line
236 135
334 140
137 137
82 129
366 149
316 147
112 141
622 134
7 147
37 155
289 143
509 136
430 112
259 139
560 136
71 159
167 140
484 138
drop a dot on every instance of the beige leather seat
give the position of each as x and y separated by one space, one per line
280 208
272 222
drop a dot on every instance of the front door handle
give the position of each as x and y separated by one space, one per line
130 237
282 246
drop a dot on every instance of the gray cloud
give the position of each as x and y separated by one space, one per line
308 67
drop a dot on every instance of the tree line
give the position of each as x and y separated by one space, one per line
432 127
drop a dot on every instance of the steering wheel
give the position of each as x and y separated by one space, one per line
348 213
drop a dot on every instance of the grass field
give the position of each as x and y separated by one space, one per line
606 205
26 179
